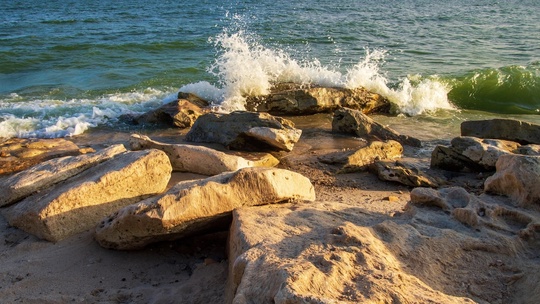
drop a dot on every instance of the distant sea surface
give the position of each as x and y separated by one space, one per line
69 66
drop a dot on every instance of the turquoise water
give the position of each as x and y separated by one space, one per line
67 66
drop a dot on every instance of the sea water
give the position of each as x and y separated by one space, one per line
70 66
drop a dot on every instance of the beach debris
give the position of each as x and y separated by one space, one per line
181 113
192 207
365 156
17 154
249 131
201 160
518 177
471 154
296 99
355 122
48 173
403 173
508 129
82 201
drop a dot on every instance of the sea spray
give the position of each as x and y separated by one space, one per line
244 67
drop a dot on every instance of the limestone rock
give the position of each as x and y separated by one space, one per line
201 160
508 129
82 201
474 154
326 252
366 156
18 154
181 113
476 211
194 206
518 177
403 173
293 99
50 172
242 130
357 123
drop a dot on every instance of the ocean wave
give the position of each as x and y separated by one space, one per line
509 90
51 118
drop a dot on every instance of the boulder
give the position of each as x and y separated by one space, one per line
191 207
508 129
518 177
18 154
181 113
48 173
242 130
81 202
201 160
294 99
365 156
403 173
475 154
359 124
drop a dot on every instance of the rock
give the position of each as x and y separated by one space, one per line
242 130
357 123
326 252
48 173
294 99
403 173
81 202
194 206
181 113
18 154
474 154
366 156
475 211
201 160
518 177
508 129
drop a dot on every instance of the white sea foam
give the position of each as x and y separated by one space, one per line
244 67
50 118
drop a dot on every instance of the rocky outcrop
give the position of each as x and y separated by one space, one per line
403 173
248 131
359 124
181 113
294 99
18 154
517 176
48 173
194 206
507 129
201 160
475 154
365 156
82 201
476 211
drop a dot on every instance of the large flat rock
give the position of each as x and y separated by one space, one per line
508 129
330 252
48 173
194 206
82 201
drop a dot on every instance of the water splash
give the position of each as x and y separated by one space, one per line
245 67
